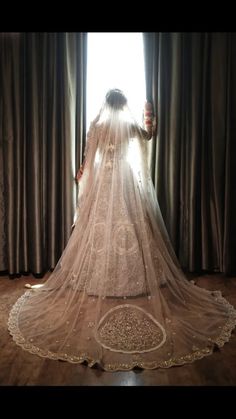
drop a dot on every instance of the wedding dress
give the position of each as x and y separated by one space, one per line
118 297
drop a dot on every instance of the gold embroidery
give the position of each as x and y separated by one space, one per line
224 337
125 240
97 237
128 328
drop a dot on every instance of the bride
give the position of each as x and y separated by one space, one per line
117 296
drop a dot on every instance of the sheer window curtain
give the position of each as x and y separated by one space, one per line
191 80
42 110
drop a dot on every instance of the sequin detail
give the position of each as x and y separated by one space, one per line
128 328
220 340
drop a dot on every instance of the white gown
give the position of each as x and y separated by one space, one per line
118 297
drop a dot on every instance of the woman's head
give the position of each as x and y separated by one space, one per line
116 99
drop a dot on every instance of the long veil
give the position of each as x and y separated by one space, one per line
117 296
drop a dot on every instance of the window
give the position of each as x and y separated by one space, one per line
115 60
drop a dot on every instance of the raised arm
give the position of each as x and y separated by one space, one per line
149 124
148 120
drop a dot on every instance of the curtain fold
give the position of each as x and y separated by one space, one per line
190 79
41 80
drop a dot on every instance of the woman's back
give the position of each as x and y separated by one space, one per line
117 296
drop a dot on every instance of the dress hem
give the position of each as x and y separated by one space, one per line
224 337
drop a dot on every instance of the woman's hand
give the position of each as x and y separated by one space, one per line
80 173
148 116
150 122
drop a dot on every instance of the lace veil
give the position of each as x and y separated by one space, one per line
117 296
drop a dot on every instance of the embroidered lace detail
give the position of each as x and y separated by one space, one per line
125 241
224 337
129 329
120 250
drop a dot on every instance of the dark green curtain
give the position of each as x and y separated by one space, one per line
191 80
42 109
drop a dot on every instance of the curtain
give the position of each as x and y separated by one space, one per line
42 109
191 80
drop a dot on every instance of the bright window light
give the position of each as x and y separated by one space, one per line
115 60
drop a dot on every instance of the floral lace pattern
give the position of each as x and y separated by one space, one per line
220 340
117 296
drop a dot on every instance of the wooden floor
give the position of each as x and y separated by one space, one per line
20 368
